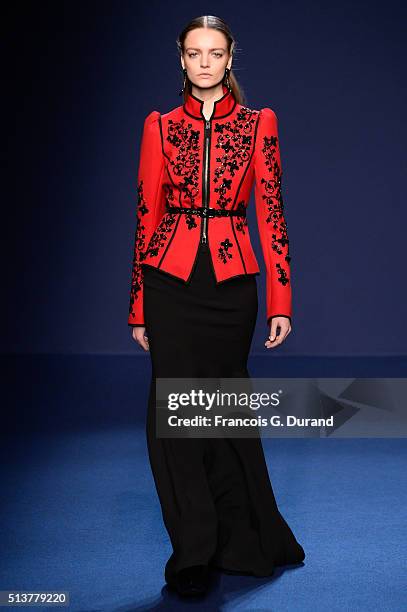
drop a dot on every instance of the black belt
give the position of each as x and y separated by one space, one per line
208 212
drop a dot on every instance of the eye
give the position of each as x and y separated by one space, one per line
218 54
192 54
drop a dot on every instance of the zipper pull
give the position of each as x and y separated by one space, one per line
208 124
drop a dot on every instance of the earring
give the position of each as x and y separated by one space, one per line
184 83
227 82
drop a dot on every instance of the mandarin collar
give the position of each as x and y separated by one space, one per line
193 106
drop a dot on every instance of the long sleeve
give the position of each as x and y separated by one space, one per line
150 208
270 216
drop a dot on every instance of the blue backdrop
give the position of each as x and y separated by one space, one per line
85 76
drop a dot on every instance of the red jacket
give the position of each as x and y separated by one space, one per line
188 161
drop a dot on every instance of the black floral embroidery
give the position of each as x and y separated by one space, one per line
283 278
139 246
275 205
241 222
223 253
141 203
226 185
269 150
278 242
160 236
190 221
235 139
240 225
186 163
169 192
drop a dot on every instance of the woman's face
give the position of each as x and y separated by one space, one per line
205 57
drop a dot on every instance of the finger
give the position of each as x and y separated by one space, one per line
273 331
272 344
143 342
277 339
283 333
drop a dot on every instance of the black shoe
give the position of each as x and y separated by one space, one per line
193 580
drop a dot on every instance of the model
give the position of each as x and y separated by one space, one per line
194 305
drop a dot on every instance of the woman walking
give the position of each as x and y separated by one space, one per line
193 305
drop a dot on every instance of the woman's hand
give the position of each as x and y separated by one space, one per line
140 337
285 328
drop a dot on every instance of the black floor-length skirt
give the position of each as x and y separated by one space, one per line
216 497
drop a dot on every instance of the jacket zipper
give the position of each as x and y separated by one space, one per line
205 185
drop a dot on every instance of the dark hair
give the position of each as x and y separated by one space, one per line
216 23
